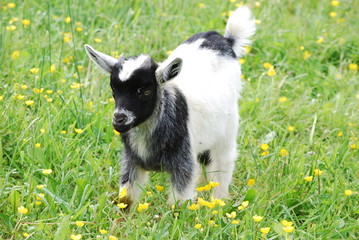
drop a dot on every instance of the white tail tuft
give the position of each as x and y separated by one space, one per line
240 27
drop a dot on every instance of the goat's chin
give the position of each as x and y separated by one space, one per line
124 129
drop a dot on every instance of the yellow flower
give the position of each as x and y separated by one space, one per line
211 222
112 237
52 68
353 67
26 22
353 146
282 99
214 212
38 91
335 3
98 40
320 40
306 55
11 5
1 98
34 70
42 130
193 207
142 207
318 172
288 229
67 19
235 222
213 184
115 132
47 171
308 179
348 192
257 218
333 14
267 65
122 205
26 234
291 128
265 230
78 29
22 210
243 205
40 196
242 61
123 192
257 21
76 85
340 133
20 97
169 52
78 130
40 186
103 231
76 237
201 5
12 20
271 72
302 48
49 100
231 215
257 4
29 102
38 203
198 226
80 223
63 132
159 188
264 146
38 145
283 152
251 182
286 223
15 54
11 28
248 49
67 38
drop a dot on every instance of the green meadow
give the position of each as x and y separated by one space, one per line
297 172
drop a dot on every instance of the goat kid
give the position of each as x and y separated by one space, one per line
186 108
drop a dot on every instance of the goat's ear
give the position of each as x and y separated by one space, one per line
163 74
105 62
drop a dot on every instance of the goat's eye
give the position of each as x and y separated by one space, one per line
147 92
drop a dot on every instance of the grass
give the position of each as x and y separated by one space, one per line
317 95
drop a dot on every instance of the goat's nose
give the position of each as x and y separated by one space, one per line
120 118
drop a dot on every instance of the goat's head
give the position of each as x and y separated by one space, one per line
135 85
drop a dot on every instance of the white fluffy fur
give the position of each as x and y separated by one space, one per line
240 26
211 85
131 65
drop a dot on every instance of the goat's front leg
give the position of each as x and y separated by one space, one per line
183 177
133 179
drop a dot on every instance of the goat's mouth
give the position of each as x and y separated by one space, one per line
122 128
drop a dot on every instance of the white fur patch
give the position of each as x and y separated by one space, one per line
130 66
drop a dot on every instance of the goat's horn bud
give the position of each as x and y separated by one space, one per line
121 59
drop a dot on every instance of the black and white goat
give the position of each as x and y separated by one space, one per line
173 113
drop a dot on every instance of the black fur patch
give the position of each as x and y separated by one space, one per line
205 158
169 143
215 42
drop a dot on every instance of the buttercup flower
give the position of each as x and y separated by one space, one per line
288 229
78 130
76 237
103 231
265 230
283 152
15 54
29 102
271 72
257 218
318 172
308 179
80 223
348 192
122 205
251 182
286 223
198 226
142 207
25 22
22 210
112 237
123 192
159 188
47 171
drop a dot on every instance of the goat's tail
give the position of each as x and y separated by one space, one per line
240 27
